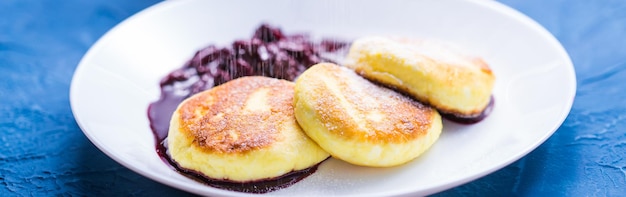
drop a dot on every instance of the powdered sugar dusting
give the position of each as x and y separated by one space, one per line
351 106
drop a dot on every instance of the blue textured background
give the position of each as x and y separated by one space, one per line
43 152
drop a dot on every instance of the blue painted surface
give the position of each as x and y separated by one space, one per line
43 152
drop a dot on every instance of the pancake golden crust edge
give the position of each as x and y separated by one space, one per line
360 122
432 72
241 131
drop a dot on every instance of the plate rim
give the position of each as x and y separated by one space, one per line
492 5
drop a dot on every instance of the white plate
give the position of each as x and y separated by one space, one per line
535 87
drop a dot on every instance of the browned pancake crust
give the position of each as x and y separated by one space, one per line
219 120
401 118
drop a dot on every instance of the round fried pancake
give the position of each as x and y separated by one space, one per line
432 72
243 130
360 122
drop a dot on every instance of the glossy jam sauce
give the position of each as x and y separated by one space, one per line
258 186
268 53
470 120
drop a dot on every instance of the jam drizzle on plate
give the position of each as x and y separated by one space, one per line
268 53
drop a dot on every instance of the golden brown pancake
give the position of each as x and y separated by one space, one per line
243 130
360 122
432 72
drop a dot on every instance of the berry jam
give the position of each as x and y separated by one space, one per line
257 186
470 120
268 53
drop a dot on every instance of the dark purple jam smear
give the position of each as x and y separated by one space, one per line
268 53
258 186
473 119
